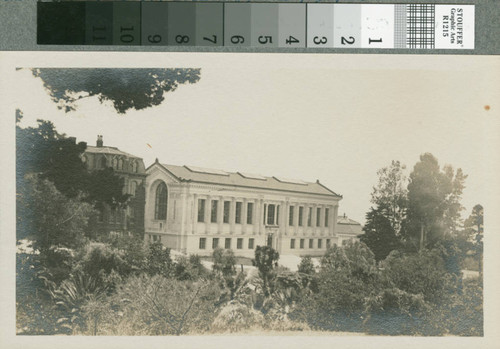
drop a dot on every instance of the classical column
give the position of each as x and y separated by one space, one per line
244 212
296 216
232 215
195 213
208 211
220 215
313 218
333 224
260 219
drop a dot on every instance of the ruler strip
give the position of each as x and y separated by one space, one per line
257 25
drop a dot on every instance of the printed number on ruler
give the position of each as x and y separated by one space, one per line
320 25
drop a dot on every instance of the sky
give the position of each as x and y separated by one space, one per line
336 118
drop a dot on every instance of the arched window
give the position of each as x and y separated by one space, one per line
115 163
161 202
120 164
134 166
84 159
103 162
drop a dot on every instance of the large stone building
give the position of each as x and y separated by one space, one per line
120 221
195 210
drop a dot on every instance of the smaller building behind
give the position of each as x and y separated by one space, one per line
347 230
120 221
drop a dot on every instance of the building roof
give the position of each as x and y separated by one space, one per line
346 220
242 179
108 150
345 225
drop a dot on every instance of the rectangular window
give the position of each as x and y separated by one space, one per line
215 243
327 212
292 244
309 217
239 243
201 210
320 243
155 238
301 243
301 216
227 205
327 243
318 216
270 214
251 243
227 243
250 213
237 216
213 211
203 243
311 243
290 216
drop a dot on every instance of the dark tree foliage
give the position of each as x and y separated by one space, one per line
266 259
419 273
224 262
348 275
43 151
379 235
306 266
189 268
126 88
50 218
158 261
433 202
473 233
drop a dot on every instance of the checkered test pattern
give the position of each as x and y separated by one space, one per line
420 31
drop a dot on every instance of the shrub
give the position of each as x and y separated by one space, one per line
155 305
306 266
189 268
395 312
237 317
105 264
158 260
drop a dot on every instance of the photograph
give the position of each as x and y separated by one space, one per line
250 195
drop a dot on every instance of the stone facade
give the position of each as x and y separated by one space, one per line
195 210
120 221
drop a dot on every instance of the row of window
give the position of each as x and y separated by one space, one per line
227 243
117 163
225 213
302 243
271 214
300 221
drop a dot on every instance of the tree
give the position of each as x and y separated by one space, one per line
266 259
474 230
379 235
158 261
224 262
433 202
53 156
49 217
306 266
348 275
124 87
391 193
